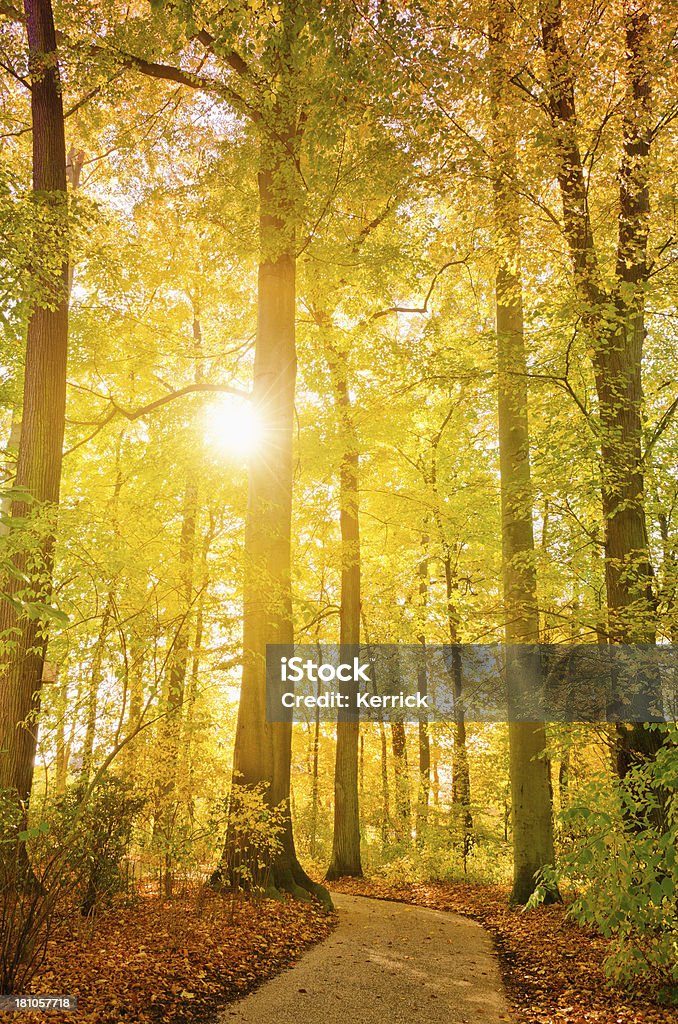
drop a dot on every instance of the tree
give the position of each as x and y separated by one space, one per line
530 786
613 318
346 837
38 475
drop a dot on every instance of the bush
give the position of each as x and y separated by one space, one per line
623 862
96 836
31 876
249 833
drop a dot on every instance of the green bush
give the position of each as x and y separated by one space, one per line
96 831
623 863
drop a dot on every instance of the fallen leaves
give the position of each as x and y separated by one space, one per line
176 961
552 968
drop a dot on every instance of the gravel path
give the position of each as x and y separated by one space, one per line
386 963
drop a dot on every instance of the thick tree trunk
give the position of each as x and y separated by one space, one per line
616 340
531 811
44 405
263 750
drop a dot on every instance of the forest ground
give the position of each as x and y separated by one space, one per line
180 960
187 959
552 969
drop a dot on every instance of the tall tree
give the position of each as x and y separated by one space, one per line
614 320
530 786
44 406
345 858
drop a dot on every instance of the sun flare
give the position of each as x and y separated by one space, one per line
233 427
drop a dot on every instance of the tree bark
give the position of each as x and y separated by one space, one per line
403 808
614 320
43 418
345 859
424 789
461 778
531 810
263 750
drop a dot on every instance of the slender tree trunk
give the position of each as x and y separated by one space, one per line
435 774
190 727
95 680
314 783
168 809
44 405
461 788
345 858
403 808
385 794
63 751
531 811
424 789
461 777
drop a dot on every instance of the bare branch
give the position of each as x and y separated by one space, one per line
423 308
660 428
143 410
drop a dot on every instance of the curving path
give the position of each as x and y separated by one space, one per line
385 963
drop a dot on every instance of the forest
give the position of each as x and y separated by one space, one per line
334 322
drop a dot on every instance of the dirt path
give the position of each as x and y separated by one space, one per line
385 962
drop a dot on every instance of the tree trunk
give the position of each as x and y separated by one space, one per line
385 795
263 750
424 788
63 746
95 680
44 405
168 809
314 783
532 828
403 812
345 858
614 321
461 787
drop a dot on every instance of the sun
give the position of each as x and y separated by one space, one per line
233 427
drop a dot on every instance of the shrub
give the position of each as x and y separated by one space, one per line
96 831
249 833
623 862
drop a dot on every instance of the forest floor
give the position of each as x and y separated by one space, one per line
178 960
552 969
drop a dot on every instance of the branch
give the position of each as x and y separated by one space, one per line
135 414
15 74
233 59
660 428
424 307
170 73
143 410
